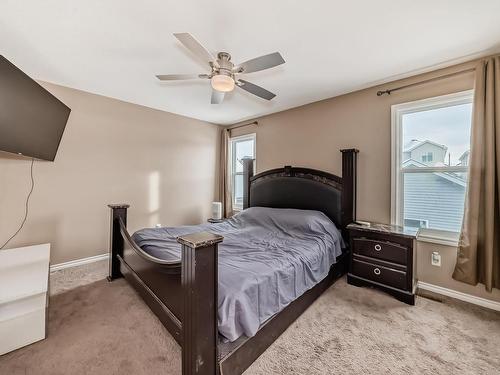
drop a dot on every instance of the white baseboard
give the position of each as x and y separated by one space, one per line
493 305
78 262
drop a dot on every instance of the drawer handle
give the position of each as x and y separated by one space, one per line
376 271
378 247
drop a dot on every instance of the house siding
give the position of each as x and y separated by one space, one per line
427 196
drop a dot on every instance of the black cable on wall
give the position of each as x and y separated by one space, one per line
26 206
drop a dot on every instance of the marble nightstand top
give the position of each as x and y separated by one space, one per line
385 228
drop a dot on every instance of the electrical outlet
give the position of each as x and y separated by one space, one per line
436 259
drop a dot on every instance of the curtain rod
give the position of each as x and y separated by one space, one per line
242 125
390 91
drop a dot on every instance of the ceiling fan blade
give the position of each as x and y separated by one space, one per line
256 90
217 97
260 63
196 48
175 77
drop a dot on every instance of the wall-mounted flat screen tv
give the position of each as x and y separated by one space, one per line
32 120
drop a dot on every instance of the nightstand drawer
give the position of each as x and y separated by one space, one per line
380 274
381 250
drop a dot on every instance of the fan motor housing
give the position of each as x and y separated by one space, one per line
225 64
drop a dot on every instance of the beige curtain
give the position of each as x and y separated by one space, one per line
225 178
479 248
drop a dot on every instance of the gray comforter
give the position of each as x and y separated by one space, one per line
269 257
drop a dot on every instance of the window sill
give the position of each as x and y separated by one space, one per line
439 237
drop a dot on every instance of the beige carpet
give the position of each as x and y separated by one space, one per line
70 278
104 328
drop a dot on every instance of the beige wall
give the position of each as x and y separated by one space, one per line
164 165
442 275
312 135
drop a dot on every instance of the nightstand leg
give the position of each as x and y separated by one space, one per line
399 295
355 281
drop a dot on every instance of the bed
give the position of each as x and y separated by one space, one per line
269 258
226 291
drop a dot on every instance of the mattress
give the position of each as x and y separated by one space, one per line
269 257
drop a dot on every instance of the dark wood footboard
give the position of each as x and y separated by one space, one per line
157 281
182 294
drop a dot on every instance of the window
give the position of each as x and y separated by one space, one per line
427 158
430 142
239 148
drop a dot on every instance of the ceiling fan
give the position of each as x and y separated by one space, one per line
223 73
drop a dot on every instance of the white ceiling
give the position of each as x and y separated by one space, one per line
115 47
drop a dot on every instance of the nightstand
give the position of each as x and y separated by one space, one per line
382 256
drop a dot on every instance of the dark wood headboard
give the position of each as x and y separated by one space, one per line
305 189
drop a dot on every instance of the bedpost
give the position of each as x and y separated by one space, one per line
349 180
247 174
200 285
118 211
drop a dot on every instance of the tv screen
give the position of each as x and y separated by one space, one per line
32 120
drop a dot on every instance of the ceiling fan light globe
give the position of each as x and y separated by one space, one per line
222 83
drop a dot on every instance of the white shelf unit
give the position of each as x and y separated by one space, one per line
24 274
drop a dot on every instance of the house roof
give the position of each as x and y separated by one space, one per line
464 155
446 175
415 143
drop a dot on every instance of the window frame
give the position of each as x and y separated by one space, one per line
397 173
232 163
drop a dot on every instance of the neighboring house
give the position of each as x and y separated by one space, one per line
433 200
427 152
